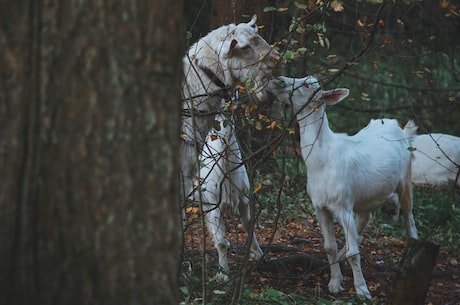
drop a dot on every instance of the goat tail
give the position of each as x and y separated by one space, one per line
410 129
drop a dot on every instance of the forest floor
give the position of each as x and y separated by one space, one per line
295 262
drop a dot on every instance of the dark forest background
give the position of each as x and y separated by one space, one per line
399 58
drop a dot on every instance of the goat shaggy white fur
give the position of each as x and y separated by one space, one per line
347 175
223 186
213 67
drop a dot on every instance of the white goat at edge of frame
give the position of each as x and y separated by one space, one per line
347 175
214 65
436 158
435 161
223 185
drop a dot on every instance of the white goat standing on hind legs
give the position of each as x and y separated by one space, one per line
223 185
347 175
213 67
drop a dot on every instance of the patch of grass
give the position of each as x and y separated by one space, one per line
273 296
292 202
437 217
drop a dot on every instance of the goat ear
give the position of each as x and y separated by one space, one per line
332 97
233 43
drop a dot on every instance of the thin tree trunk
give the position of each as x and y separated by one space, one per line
89 112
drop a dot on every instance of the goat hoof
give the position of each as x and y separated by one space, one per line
335 287
256 255
363 291
221 277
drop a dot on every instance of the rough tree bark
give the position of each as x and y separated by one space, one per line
89 124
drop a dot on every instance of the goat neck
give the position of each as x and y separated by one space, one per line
314 133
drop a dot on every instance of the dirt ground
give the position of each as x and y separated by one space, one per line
295 261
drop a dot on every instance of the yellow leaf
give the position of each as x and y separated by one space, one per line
333 70
281 9
360 23
213 137
257 188
258 125
337 6
252 107
262 117
272 125
192 210
444 4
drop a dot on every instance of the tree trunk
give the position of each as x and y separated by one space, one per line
414 273
89 124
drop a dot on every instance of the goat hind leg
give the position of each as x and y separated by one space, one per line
348 224
405 197
216 227
394 200
245 214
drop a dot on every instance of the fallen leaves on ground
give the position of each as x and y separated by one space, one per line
380 255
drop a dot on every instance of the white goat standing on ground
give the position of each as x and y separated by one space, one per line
347 175
224 183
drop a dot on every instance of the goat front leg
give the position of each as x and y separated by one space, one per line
330 246
216 227
347 221
245 214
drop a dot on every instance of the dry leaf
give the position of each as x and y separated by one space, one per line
257 188
337 6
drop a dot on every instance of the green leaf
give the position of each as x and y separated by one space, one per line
184 290
300 6
289 55
269 9
219 292
302 50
